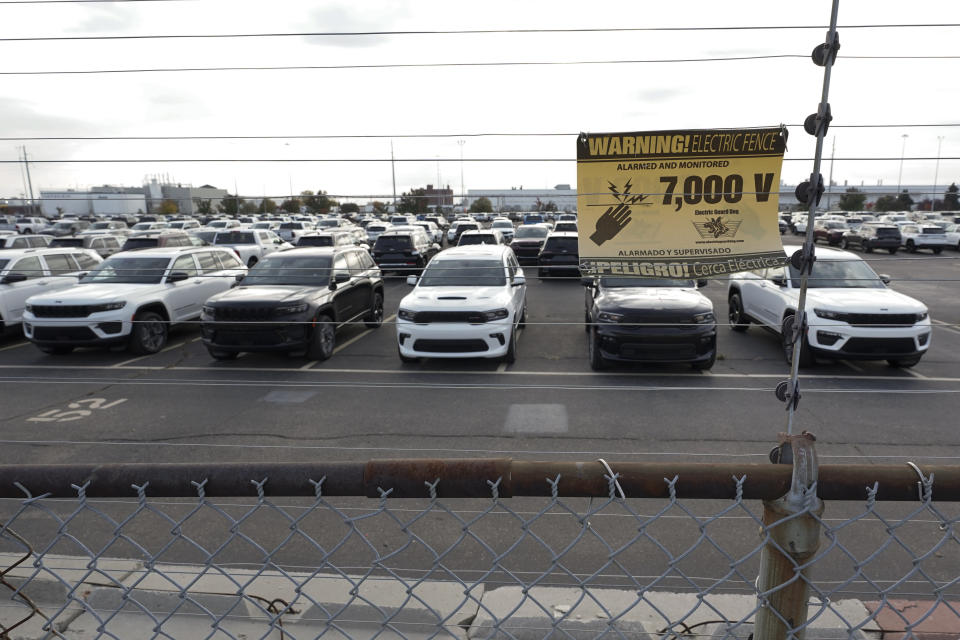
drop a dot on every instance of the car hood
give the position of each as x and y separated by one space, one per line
93 293
653 298
454 298
862 300
267 294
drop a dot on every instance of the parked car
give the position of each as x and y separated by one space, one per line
130 298
435 233
504 226
851 313
223 224
32 241
104 245
291 231
534 218
336 238
184 225
27 272
923 236
458 227
830 231
952 231
631 319
406 251
30 224
374 229
111 227
250 246
468 303
153 239
559 254
565 225
293 301
480 236
149 225
440 221
527 241
873 235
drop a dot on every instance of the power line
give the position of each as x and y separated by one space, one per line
435 32
571 159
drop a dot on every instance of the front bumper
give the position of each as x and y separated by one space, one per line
693 343
835 339
454 339
526 253
97 329
292 334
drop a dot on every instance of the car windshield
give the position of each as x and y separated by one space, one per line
290 270
463 273
932 230
477 238
140 243
328 223
531 232
66 242
126 270
393 243
838 274
315 241
292 225
616 283
887 231
234 237
100 225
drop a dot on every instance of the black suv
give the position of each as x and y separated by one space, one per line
406 251
294 301
872 235
560 254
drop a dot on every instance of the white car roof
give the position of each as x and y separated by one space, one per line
472 251
824 252
41 251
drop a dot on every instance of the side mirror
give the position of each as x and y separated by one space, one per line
339 278
412 280
82 275
177 276
11 278
518 280
702 282
435 246
239 277
587 282
884 278
779 280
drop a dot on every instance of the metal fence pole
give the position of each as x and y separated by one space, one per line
791 528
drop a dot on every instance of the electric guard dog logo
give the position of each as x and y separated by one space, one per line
617 217
717 228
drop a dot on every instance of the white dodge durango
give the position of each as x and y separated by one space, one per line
468 303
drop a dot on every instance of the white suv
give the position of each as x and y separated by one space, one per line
27 272
468 303
131 298
923 236
851 313
251 245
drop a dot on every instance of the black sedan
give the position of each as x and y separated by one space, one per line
649 320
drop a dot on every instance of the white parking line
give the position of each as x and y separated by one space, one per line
346 344
946 325
852 366
138 358
915 374
14 346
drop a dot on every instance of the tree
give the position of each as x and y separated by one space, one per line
886 203
317 202
481 205
267 206
248 207
852 200
379 207
169 207
951 200
349 207
550 206
904 201
230 204
413 202
291 205
204 207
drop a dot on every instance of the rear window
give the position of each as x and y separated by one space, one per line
234 237
315 241
929 230
560 244
888 231
393 243
139 243
291 225
66 242
477 238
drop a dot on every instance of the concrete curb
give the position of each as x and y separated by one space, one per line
128 600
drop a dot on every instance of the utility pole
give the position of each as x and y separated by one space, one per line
903 149
393 172
26 166
463 191
936 171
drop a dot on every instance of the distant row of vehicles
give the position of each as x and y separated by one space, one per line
891 232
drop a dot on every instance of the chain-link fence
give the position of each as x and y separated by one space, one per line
619 564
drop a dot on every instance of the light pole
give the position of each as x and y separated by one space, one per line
936 171
463 193
903 148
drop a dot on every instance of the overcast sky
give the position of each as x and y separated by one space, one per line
458 100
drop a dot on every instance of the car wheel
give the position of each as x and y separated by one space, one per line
149 333
597 361
738 319
937 250
806 358
323 340
892 251
218 354
903 362
511 355
911 247
252 261
58 350
404 359
375 318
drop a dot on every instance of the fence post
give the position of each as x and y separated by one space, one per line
791 527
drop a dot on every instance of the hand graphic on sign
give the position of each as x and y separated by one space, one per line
611 223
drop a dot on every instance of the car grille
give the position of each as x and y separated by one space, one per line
62 311
879 346
450 346
645 351
54 334
242 314
887 319
471 317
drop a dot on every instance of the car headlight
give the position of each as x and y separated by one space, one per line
828 314
208 310
28 307
109 306
496 314
405 314
606 316
704 318
289 309
923 315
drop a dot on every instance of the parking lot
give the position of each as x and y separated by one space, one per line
180 404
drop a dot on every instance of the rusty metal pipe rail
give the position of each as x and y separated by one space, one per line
468 478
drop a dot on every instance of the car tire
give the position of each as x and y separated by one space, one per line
597 361
892 251
937 250
903 362
806 357
739 321
375 318
149 333
405 360
911 246
323 340
867 248
511 355
706 365
55 350
218 354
